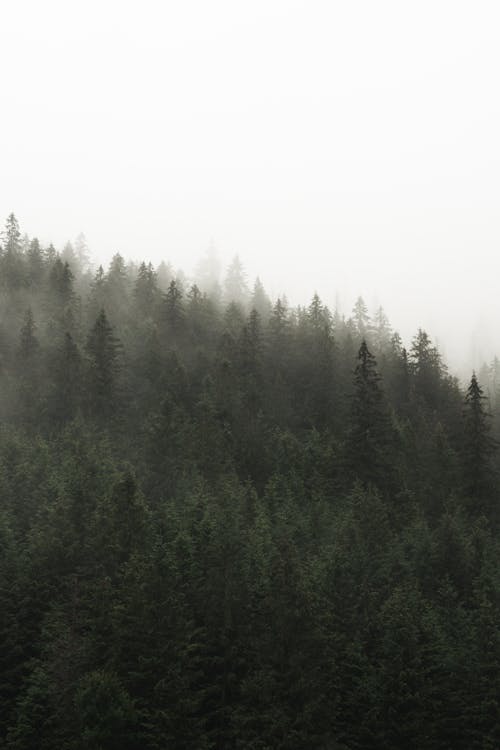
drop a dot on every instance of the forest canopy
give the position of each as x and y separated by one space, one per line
226 522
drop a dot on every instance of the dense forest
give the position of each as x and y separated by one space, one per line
226 523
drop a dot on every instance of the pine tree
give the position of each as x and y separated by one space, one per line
478 448
427 369
116 288
235 284
318 315
361 317
146 290
103 349
11 236
60 297
260 301
370 441
381 330
35 263
29 369
69 256
174 312
278 353
278 322
82 253
12 266
97 299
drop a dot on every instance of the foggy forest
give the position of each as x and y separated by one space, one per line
229 523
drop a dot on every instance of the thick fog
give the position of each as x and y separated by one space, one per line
340 147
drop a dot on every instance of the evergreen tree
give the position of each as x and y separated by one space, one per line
370 442
70 257
478 446
11 236
235 284
35 263
174 312
116 286
381 330
361 318
164 274
82 253
29 369
426 368
97 298
60 296
146 290
12 266
103 349
260 301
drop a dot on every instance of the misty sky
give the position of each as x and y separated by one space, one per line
335 146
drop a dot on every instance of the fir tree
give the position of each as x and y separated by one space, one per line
173 311
478 447
103 349
235 284
370 441
260 301
146 290
29 370
11 236
361 318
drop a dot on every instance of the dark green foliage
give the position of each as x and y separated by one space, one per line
236 526
66 367
371 443
478 446
104 713
102 372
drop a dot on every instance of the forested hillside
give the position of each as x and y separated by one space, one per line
225 523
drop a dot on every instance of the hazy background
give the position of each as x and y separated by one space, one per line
335 146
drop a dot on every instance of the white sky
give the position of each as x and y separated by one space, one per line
350 146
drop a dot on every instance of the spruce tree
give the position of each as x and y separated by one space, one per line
260 301
361 317
12 265
478 447
427 370
11 236
174 312
146 290
370 441
35 263
235 284
103 349
29 369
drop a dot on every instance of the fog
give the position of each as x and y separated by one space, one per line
344 148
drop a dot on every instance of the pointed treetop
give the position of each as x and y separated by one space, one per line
11 235
235 284
361 317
